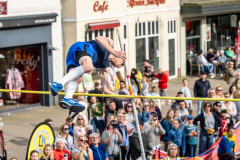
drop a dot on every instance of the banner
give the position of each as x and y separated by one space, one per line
211 153
42 134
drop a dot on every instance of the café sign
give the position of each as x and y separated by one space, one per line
100 6
3 8
133 3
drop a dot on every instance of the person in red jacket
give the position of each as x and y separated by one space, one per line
162 84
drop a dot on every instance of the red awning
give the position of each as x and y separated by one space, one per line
103 25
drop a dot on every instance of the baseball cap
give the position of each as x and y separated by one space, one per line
189 117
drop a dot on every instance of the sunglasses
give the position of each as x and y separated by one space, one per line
81 140
145 105
80 119
219 90
129 106
207 106
66 128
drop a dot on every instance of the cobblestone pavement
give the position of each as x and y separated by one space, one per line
18 125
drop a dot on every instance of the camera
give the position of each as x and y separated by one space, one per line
65 155
89 132
154 117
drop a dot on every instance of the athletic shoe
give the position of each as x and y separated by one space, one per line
55 88
72 105
212 76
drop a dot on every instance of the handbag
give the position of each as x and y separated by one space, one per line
210 131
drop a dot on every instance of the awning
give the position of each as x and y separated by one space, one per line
27 20
103 25
209 7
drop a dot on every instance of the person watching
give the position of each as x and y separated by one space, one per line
227 146
112 139
172 152
123 131
69 121
144 115
135 149
34 155
47 152
66 137
98 149
82 151
59 153
153 129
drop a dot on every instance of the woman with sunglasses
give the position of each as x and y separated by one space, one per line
209 123
217 108
82 151
68 139
79 128
219 92
129 117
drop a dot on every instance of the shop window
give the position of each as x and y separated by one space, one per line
147 43
223 30
19 70
192 37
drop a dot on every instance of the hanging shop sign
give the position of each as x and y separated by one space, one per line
100 6
133 3
3 8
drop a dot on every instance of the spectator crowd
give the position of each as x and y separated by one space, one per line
106 130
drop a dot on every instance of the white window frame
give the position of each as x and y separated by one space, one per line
147 36
173 35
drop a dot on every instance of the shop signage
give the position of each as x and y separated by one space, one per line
133 3
3 8
100 6
21 21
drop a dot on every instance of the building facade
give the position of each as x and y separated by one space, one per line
30 49
149 29
207 24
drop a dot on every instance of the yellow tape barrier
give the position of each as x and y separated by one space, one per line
121 96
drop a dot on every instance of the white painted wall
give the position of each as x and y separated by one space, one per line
33 7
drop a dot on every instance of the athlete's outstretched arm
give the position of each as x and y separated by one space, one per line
106 44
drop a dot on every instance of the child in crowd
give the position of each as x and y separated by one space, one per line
145 86
134 87
176 135
69 122
176 111
191 133
226 122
